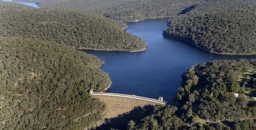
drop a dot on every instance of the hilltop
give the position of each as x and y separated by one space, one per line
44 85
79 29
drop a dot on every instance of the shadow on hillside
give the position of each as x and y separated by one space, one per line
188 9
253 93
121 121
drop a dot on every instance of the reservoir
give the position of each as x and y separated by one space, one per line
156 71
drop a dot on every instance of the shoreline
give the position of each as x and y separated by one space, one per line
123 29
152 18
172 37
108 87
111 50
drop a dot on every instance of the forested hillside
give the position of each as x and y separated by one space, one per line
210 6
217 26
163 118
44 82
79 29
206 99
44 85
226 32
125 10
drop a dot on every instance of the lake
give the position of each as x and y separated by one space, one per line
157 71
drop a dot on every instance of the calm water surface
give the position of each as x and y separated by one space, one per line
157 71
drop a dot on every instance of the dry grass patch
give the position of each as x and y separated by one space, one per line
119 105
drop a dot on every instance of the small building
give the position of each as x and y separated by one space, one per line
91 91
161 99
236 94
254 98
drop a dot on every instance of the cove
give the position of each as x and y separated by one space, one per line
156 71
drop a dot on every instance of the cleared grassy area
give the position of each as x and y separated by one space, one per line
246 73
117 105
199 120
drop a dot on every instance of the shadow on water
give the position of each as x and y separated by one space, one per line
121 121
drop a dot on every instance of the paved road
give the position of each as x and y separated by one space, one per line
129 96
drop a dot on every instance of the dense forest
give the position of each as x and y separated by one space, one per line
223 31
206 99
125 10
79 29
44 85
208 92
162 118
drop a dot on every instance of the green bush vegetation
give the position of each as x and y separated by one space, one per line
163 118
79 29
208 91
44 85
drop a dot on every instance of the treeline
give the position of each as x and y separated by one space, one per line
79 29
44 85
125 10
223 31
206 99
137 10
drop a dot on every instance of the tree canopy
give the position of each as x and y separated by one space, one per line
227 30
44 85
79 29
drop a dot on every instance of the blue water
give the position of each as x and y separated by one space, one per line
157 71
32 4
